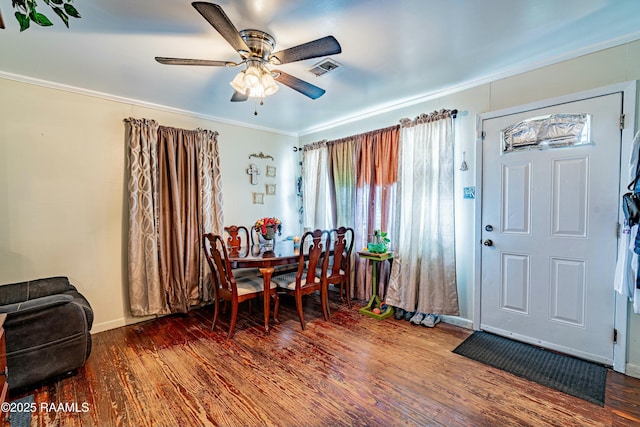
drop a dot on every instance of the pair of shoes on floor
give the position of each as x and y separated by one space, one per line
417 318
429 320
408 315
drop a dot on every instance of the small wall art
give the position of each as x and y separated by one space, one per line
271 171
258 198
253 173
271 189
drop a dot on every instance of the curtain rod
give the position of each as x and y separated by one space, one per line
426 118
323 142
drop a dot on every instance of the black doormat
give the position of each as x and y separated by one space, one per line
570 375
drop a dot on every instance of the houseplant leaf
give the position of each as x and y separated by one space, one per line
71 11
62 15
19 3
23 20
40 19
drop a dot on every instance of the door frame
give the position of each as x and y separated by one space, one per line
628 90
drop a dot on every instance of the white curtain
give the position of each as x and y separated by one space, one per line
423 275
316 196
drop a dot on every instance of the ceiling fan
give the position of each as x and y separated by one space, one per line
255 48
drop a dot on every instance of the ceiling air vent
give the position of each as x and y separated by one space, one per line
323 67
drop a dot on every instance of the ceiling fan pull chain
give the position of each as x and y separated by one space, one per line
255 109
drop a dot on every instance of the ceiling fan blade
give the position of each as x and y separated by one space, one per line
321 47
185 61
313 92
219 20
238 97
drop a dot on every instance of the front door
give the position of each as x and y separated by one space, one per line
549 222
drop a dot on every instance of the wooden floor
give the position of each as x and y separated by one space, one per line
352 370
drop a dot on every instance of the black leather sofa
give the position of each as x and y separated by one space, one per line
47 330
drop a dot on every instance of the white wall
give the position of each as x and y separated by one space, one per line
615 65
63 207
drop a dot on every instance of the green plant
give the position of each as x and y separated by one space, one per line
26 12
380 242
381 237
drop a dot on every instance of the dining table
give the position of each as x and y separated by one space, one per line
266 261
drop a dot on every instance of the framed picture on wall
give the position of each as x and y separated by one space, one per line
271 171
271 189
258 198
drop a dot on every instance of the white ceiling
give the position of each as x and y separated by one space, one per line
393 52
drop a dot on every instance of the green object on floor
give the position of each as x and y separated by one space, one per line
383 314
374 302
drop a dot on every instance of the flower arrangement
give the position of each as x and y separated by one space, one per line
262 226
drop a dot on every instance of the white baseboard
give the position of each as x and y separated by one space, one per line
117 323
458 321
632 370
105 326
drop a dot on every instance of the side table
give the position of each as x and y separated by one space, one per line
375 299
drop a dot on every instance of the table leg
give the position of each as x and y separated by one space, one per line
374 301
266 277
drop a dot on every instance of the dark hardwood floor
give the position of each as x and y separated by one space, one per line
352 370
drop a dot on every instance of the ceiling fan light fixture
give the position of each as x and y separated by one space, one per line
252 77
256 82
238 83
269 84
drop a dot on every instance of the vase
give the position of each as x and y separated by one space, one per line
267 239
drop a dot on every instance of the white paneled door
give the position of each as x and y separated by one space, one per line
549 234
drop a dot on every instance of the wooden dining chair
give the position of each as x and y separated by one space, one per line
238 239
313 253
225 285
338 271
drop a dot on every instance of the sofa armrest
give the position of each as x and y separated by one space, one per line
45 320
35 304
24 291
82 302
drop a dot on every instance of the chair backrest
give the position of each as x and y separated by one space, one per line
313 254
237 237
218 260
342 239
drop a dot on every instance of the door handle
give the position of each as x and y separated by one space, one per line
488 242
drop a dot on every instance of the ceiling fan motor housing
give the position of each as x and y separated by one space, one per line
260 43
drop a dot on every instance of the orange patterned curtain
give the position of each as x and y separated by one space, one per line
376 177
363 171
